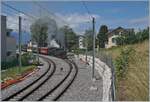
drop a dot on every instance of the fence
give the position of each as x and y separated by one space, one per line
108 60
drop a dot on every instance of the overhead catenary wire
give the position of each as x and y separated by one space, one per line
86 8
9 6
93 23
12 22
8 12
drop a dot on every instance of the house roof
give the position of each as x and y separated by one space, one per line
111 31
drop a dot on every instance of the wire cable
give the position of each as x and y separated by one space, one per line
18 10
86 8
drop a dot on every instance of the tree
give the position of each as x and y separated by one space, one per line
39 33
88 40
102 36
145 34
131 37
70 38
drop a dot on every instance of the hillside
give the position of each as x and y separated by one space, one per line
133 86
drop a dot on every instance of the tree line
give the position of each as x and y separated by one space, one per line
41 27
39 33
126 38
132 37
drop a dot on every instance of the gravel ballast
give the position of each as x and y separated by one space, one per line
18 86
84 88
53 81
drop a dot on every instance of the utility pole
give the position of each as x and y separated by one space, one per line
38 39
20 64
93 67
38 51
86 49
86 44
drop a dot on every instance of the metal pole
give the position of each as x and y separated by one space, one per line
86 55
38 51
38 55
39 39
93 21
113 82
86 49
20 64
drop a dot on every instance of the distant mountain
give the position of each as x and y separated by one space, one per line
25 37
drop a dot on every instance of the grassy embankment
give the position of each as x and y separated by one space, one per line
133 86
11 69
13 72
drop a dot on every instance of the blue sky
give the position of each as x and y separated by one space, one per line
128 14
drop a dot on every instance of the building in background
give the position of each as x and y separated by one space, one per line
113 34
8 43
3 38
80 41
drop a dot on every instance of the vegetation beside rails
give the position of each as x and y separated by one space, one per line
131 63
13 72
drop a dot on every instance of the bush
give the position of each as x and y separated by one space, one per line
121 63
25 59
8 64
79 51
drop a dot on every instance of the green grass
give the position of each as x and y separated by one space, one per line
13 72
134 85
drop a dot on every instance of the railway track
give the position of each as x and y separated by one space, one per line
51 94
19 94
62 86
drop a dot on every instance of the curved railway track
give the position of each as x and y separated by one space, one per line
58 89
69 83
63 85
16 94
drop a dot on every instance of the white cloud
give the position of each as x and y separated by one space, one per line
13 22
143 20
75 19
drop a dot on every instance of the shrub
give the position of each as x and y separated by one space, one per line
25 59
8 64
121 63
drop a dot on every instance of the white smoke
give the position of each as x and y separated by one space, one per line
55 35
53 43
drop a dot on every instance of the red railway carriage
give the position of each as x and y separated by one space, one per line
44 50
57 52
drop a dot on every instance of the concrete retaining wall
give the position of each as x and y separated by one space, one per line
105 73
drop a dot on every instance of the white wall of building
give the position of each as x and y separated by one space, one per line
81 38
111 42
